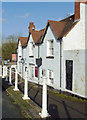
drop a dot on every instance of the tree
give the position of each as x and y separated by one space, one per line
8 47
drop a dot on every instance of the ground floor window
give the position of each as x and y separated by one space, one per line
31 71
50 76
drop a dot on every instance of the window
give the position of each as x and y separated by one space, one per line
25 68
50 48
31 50
43 72
50 76
31 71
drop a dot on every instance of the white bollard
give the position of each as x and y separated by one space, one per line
44 112
6 75
10 83
16 81
1 70
26 88
4 72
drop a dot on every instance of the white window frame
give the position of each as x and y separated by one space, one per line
50 77
50 48
31 49
31 71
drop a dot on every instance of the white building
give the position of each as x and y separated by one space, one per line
31 53
73 45
21 42
61 46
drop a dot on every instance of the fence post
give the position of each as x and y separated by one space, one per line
44 112
1 70
6 74
16 81
25 97
10 83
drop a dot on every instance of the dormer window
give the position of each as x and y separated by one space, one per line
31 49
50 48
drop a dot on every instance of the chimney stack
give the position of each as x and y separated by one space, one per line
31 26
77 9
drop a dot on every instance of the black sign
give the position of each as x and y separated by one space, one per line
39 61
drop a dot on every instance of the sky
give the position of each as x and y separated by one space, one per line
16 16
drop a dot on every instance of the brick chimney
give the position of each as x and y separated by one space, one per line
77 10
31 26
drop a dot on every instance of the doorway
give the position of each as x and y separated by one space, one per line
69 74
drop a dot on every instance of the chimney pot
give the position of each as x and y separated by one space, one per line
31 26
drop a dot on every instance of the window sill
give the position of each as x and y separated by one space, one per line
50 57
31 56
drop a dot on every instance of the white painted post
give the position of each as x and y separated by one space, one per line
26 88
3 71
44 112
16 81
6 74
10 83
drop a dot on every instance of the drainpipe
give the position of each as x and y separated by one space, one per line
60 63
38 66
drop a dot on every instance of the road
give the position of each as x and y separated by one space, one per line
9 110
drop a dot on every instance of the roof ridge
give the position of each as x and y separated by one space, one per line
61 20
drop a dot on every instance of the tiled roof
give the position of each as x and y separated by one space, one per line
37 35
23 40
81 1
61 28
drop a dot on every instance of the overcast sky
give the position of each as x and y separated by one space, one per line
17 15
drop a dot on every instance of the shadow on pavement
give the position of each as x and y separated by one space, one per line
53 111
66 110
4 85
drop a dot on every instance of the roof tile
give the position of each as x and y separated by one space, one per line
23 40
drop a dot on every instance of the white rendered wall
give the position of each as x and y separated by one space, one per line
49 63
19 53
76 37
74 49
30 60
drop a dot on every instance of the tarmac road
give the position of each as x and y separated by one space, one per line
9 110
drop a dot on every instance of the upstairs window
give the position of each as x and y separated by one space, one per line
50 48
31 50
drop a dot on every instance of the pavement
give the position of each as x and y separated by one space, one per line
26 107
